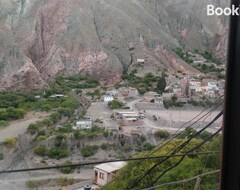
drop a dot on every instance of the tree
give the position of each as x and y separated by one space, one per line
161 84
66 170
174 98
115 104
161 134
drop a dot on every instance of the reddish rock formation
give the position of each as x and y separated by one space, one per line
42 39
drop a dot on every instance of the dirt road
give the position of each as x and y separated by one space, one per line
20 126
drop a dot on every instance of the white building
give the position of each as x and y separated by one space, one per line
195 83
108 98
84 124
105 173
212 86
140 60
57 96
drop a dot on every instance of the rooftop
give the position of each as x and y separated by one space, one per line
110 167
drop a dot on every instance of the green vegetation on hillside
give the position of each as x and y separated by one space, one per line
209 56
145 84
205 68
78 82
57 152
183 55
173 102
190 166
14 105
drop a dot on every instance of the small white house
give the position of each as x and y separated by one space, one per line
195 83
108 98
140 61
38 97
57 96
84 124
105 173
212 86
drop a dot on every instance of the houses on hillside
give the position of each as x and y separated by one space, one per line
191 87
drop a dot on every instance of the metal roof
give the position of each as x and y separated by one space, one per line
110 167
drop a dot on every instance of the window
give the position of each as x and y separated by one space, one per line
101 176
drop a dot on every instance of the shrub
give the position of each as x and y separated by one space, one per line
66 181
47 122
1 156
76 134
67 112
41 138
188 132
161 84
3 123
167 103
33 184
82 114
66 170
10 142
115 104
55 117
161 134
105 134
57 153
40 150
104 146
59 141
143 138
12 113
148 146
88 151
205 135
154 118
32 129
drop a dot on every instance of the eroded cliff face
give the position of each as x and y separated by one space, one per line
40 39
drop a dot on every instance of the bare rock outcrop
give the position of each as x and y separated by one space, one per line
42 39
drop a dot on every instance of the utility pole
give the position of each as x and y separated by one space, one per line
198 183
230 168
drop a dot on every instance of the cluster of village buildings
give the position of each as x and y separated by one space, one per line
192 88
185 89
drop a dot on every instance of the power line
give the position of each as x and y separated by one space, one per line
176 134
175 150
107 161
184 180
176 164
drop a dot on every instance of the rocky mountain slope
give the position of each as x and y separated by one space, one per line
40 39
